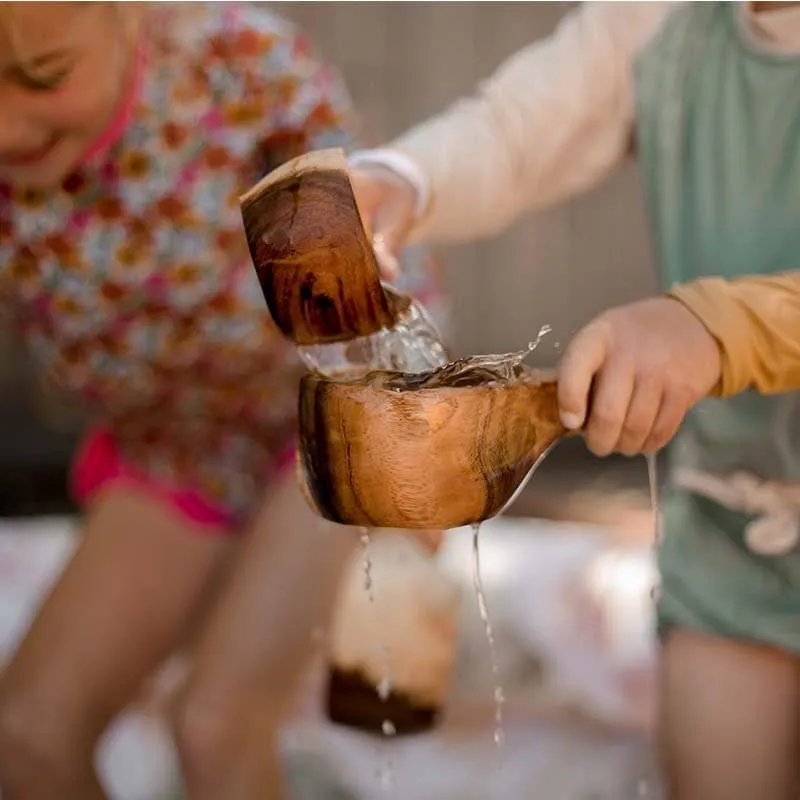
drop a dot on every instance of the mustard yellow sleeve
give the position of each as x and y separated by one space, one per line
756 321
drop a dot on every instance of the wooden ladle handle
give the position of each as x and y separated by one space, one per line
311 253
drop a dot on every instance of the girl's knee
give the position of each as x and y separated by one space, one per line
204 730
36 749
211 733
201 732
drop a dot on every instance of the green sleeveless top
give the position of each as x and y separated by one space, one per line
718 137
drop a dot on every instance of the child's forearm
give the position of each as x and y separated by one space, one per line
552 121
756 321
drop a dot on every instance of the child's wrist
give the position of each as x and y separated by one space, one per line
404 168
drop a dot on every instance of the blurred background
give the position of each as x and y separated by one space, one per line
572 618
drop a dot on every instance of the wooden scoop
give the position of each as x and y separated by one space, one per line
313 258
395 450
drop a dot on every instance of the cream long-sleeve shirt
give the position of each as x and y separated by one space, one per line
554 120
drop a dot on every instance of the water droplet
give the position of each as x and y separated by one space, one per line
387 778
365 543
384 688
388 728
499 737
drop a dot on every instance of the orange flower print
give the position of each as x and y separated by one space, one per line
174 209
66 306
232 200
184 274
229 241
75 353
323 116
217 157
155 313
281 146
285 89
109 208
219 47
130 254
112 292
174 135
135 165
24 265
184 330
138 229
245 112
223 304
63 249
114 346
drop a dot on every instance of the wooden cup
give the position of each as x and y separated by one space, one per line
312 255
381 453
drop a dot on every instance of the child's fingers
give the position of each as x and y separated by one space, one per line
383 247
641 416
611 398
668 420
581 360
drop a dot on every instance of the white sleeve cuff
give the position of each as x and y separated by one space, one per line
403 166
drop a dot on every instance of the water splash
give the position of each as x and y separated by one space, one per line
480 596
412 345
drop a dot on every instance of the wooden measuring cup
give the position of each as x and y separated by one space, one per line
312 255
388 451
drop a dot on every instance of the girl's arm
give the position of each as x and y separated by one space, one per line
756 322
552 121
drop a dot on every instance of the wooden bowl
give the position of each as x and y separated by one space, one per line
312 255
395 450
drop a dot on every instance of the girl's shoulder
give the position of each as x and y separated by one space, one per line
224 40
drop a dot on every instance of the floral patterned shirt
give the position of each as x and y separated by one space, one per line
132 282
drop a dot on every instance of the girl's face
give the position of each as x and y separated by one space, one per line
63 68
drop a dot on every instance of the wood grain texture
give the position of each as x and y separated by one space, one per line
421 458
313 258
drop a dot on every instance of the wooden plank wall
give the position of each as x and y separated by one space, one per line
404 61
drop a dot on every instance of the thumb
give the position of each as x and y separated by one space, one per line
582 359
386 248
386 204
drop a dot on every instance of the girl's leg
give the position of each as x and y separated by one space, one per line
730 720
255 649
116 612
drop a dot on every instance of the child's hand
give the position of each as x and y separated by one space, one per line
645 364
387 204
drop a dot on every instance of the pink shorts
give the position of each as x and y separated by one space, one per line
99 464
